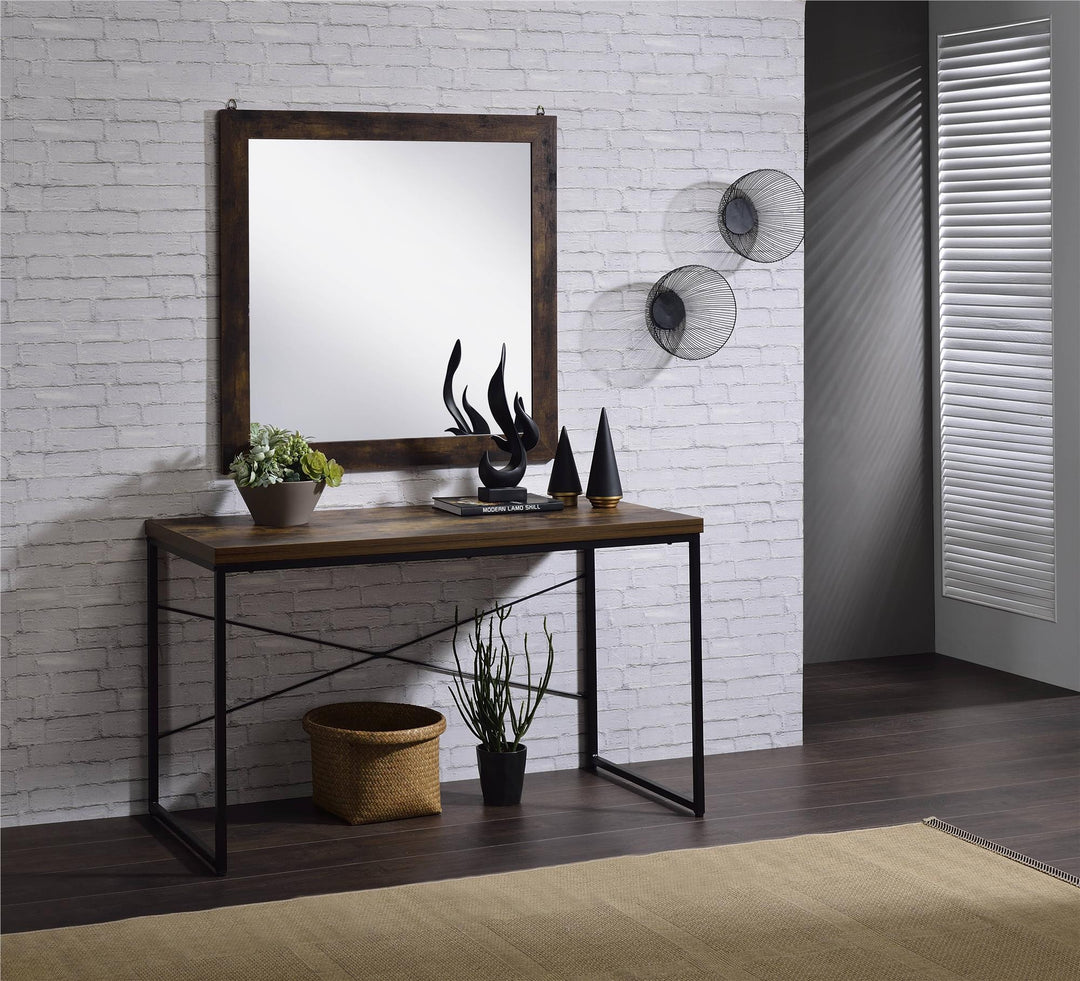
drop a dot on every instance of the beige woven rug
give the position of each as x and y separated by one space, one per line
910 902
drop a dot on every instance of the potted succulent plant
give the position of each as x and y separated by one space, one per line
281 477
484 697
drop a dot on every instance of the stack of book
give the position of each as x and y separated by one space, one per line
469 506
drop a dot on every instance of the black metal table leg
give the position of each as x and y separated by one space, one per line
696 803
152 705
220 718
697 699
592 727
216 859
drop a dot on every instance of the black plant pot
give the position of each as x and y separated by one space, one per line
502 775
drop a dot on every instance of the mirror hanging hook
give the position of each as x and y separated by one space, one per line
231 104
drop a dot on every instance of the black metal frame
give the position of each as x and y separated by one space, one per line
217 859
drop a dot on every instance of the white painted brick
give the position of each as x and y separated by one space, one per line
110 375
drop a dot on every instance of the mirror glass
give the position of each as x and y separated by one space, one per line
355 249
387 252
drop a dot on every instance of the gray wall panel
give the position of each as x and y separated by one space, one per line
868 517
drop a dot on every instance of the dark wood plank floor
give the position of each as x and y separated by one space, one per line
887 741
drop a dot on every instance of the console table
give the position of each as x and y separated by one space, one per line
232 544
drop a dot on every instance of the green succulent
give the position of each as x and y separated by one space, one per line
281 456
317 467
293 449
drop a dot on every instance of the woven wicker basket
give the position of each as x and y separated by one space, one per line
375 761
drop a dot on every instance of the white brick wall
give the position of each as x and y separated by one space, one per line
110 367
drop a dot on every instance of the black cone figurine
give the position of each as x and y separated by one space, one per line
605 488
565 484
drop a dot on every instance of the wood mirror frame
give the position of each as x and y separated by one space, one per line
237 126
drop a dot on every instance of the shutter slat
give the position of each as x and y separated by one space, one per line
964 216
1023 435
1032 313
1004 122
1000 602
1033 283
1002 574
1018 537
995 375
1031 586
1034 577
1020 129
995 147
975 439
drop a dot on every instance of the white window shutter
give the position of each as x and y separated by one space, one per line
996 351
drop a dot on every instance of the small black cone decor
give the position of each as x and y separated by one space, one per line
565 484
605 488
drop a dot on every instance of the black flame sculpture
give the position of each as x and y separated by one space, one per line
478 423
519 432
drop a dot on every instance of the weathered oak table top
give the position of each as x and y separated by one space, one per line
385 533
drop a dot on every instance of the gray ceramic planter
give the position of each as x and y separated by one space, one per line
283 505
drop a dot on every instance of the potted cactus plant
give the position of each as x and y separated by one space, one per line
281 477
485 699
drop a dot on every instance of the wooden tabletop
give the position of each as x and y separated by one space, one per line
385 533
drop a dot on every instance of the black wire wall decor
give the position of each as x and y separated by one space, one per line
761 215
690 312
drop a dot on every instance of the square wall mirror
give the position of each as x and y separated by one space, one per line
356 249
